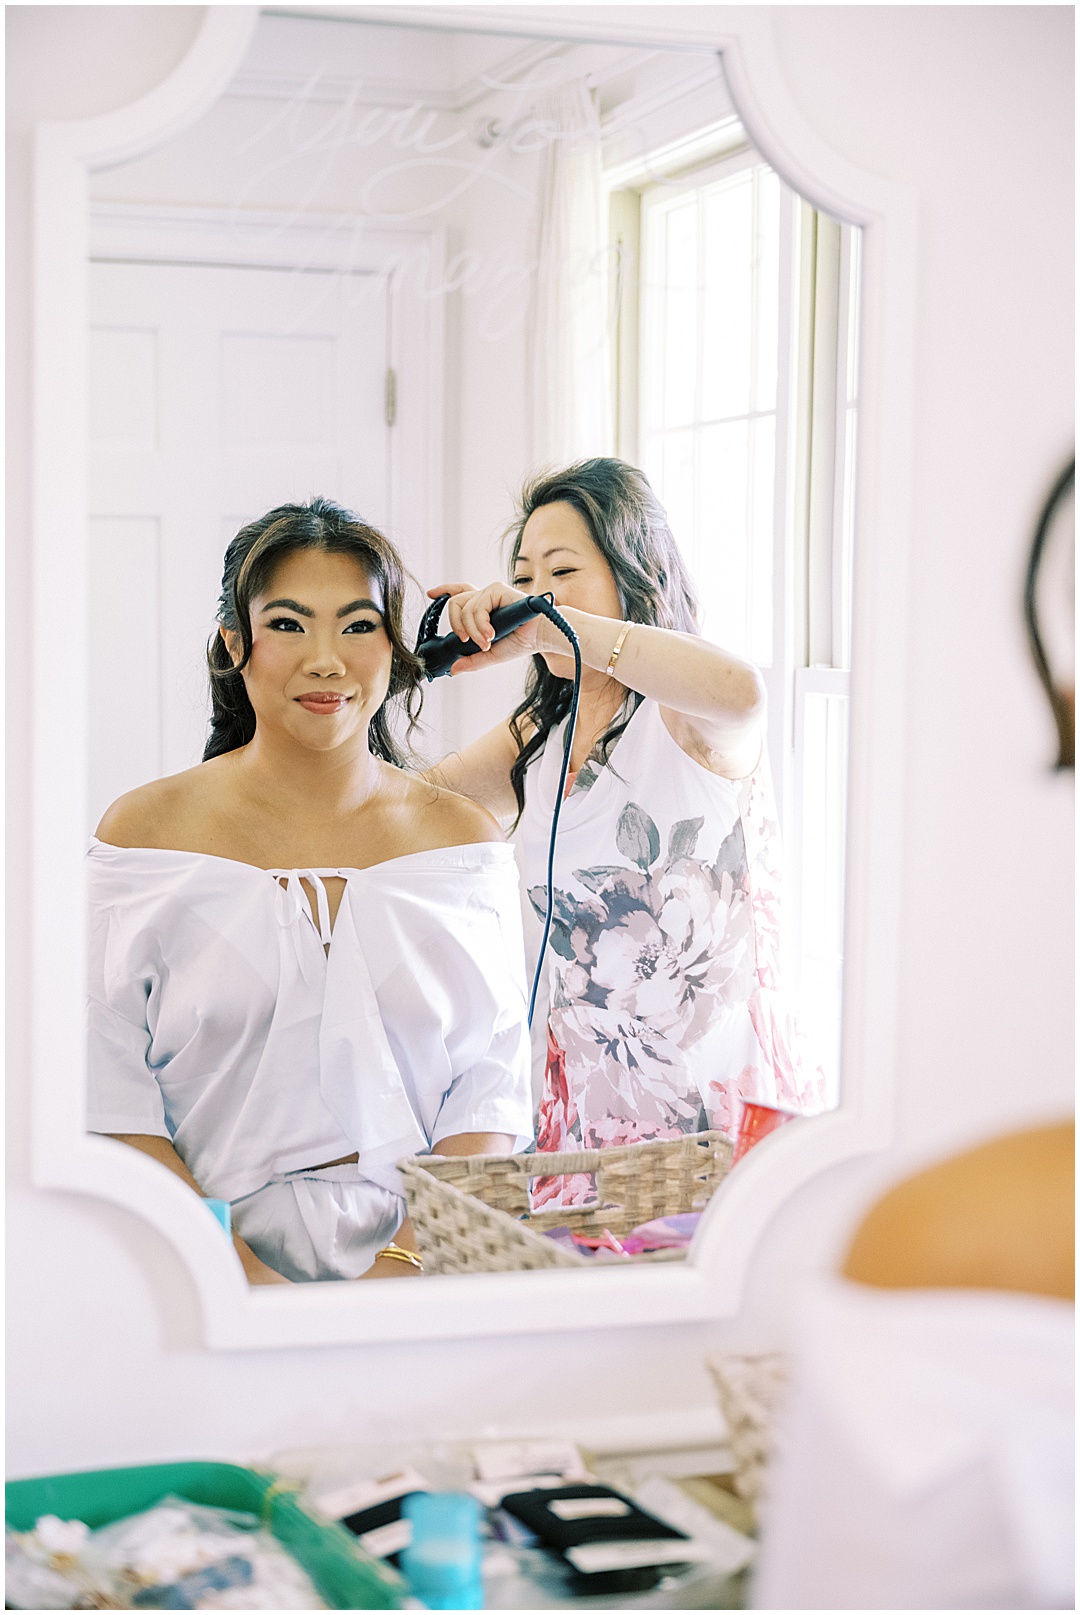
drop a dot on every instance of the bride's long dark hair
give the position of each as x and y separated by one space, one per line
249 561
629 527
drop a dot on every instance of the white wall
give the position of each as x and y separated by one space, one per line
261 151
973 106
286 138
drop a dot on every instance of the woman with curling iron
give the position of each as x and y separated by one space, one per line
664 1004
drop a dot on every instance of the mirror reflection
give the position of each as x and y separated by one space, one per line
419 318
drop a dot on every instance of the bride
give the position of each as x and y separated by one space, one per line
306 963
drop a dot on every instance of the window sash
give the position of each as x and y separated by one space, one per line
708 428
815 894
808 576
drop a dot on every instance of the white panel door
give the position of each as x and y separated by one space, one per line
215 394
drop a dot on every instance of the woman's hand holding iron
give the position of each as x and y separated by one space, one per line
691 678
468 613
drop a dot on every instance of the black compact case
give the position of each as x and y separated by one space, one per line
375 1520
613 1518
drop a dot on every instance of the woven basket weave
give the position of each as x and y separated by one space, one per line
471 1213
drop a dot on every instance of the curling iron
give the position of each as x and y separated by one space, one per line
439 655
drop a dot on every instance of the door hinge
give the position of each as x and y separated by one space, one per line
391 397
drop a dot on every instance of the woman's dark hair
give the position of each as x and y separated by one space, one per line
249 561
1059 692
629 527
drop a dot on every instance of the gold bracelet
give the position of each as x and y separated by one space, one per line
400 1255
617 650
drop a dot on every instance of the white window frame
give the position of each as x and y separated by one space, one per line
813 503
823 544
777 672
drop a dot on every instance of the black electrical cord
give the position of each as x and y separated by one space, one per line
549 609
439 655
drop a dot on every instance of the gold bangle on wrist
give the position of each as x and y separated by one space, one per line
617 651
398 1254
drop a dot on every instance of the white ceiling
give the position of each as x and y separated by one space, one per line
337 54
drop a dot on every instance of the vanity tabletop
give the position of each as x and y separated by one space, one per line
688 1486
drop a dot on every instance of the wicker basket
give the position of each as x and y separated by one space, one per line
471 1212
752 1390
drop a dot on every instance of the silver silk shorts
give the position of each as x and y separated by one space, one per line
326 1223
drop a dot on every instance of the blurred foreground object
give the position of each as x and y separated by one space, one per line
998 1217
1049 594
751 1391
925 1460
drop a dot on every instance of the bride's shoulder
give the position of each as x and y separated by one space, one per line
162 812
449 820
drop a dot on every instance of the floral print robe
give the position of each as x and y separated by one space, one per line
665 1006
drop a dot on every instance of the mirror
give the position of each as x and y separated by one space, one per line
377 192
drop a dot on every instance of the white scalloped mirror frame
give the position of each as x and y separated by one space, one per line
65 1157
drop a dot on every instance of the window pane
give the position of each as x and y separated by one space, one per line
710 324
824 799
847 536
681 315
767 247
854 280
727 337
762 480
720 558
675 485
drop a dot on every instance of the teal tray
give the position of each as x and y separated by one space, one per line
346 1577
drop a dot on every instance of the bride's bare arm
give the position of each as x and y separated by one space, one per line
713 703
255 1270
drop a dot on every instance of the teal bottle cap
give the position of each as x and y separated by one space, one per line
442 1562
223 1212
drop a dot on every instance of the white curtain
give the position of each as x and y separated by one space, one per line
569 338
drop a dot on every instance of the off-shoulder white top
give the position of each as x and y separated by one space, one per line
220 1019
